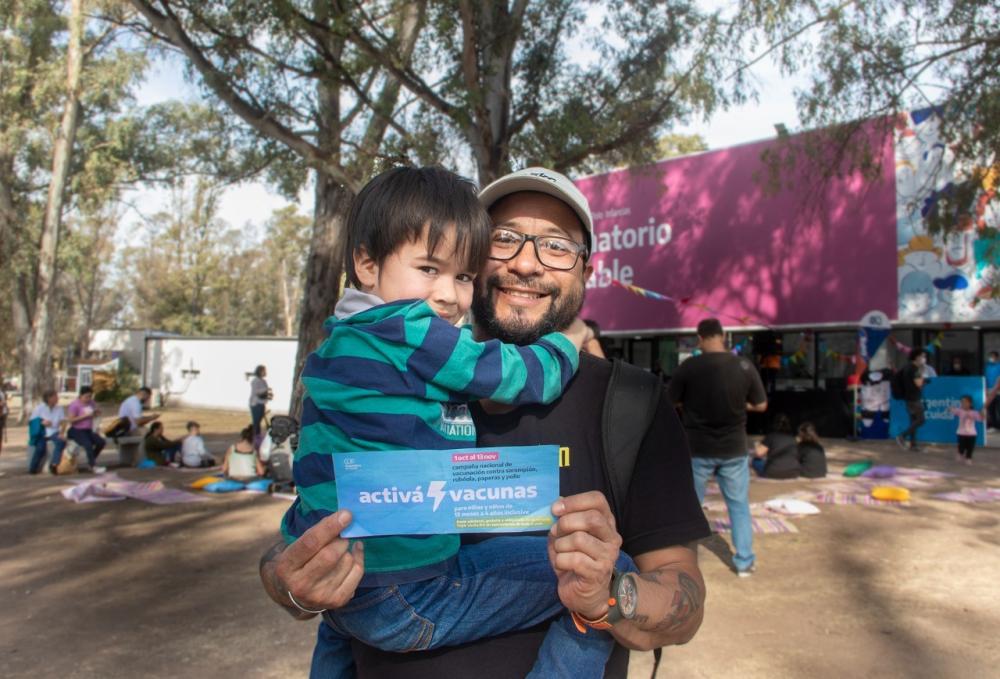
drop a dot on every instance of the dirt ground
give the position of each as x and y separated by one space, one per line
128 589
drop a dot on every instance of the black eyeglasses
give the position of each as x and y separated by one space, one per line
553 252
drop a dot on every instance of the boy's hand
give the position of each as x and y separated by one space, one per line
578 333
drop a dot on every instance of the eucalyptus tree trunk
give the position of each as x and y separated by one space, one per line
35 344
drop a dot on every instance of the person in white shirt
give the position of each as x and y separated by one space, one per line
131 409
193 452
52 416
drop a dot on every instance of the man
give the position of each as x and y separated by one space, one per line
518 298
131 409
992 378
81 427
716 390
52 416
914 378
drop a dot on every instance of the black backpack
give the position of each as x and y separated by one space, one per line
630 403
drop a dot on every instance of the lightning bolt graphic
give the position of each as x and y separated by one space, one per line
435 489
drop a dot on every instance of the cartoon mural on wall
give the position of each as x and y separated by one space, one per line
950 277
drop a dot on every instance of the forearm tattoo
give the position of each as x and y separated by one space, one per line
685 603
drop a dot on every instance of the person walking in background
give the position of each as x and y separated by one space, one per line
81 413
51 416
812 457
992 373
967 418
260 394
715 391
913 381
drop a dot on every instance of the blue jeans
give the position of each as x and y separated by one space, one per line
733 475
38 457
492 587
89 441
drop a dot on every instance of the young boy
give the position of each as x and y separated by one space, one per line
395 373
193 451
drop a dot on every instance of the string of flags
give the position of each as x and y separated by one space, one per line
680 302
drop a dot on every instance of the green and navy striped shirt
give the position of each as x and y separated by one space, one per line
396 376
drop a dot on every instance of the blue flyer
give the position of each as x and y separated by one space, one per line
431 492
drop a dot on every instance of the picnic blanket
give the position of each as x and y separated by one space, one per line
835 497
971 495
110 487
760 524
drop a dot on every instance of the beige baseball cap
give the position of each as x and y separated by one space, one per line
545 181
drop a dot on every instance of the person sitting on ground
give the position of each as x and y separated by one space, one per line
193 451
159 448
812 457
777 456
241 462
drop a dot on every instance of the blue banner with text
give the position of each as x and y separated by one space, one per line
428 492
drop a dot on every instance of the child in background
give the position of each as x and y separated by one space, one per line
396 373
193 451
812 457
967 418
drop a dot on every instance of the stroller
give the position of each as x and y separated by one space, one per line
277 450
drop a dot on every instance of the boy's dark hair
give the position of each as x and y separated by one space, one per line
917 353
395 206
192 424
594 327
258 371
86 390
149 392
964 397
710 327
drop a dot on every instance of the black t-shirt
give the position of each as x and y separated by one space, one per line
782 456
661 511
911 392
812 459
714 389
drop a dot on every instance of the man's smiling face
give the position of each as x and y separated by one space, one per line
520 299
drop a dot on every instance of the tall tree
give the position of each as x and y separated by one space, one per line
63 79
873 59
494 79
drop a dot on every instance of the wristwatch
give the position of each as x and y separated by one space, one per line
623 597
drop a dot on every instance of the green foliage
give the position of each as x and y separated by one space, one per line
876 58
123 383
194 275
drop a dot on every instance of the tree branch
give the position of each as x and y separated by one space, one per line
258 119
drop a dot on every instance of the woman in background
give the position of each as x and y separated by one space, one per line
812 457
241 462
260 393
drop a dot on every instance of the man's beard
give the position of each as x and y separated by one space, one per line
564 306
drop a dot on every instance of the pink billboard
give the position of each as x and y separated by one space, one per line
703 231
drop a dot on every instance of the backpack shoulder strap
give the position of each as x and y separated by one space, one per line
629 407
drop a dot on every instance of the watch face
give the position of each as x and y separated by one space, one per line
628 596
